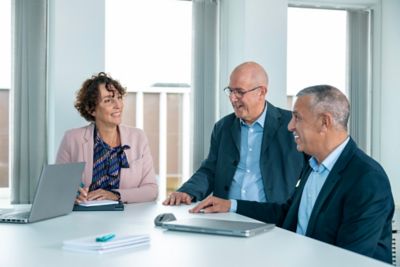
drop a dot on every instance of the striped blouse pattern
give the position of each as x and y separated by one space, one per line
107 164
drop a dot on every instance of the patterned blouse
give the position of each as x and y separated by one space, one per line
107 164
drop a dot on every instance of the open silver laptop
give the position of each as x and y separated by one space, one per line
55 194
219 227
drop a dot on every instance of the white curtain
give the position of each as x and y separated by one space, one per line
359 79
29 97
204 77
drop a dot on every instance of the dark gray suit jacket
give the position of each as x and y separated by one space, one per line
280 162
354 209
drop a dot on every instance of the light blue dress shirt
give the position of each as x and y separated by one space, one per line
247 183
313 186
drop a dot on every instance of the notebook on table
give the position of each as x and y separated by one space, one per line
99 205
55 194
91 244
218 227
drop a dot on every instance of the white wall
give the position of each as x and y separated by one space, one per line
390 96
254 30
76 51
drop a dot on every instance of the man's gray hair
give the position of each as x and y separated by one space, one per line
327 98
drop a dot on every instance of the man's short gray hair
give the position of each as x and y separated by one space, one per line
327 98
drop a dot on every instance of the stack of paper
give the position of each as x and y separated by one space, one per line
91 203
90 245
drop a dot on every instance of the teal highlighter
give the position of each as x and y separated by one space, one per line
105 238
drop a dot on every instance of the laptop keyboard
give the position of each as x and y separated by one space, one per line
3 211
17 215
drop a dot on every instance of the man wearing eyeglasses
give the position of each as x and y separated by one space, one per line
253 155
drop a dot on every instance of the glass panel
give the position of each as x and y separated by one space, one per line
149 42
316 51
174 141
129 114
4 137
151 125
5 44
151 56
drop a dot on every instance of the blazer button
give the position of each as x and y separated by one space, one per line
226 188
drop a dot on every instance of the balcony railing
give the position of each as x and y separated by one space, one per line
163 112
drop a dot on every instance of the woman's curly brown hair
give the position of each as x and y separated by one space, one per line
87 97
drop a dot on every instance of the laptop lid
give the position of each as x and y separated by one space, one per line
56 190
219 227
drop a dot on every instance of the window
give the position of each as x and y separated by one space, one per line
328 46
152 58
316 49
5 85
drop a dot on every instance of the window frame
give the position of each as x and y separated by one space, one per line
369 126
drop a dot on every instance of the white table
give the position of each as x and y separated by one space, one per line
39 244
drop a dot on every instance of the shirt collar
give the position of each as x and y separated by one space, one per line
99 141
330 160
260 120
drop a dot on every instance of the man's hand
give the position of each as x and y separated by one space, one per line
212 205
101 194
176 198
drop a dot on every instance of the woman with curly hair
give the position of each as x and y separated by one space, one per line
119 165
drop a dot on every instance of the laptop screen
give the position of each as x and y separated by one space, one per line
56 190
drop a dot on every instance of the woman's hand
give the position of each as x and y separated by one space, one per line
83 194
101 194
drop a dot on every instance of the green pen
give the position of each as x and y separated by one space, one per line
82 185
105 238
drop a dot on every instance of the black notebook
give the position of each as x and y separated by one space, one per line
109 207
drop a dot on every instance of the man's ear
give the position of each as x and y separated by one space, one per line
326 121
264 90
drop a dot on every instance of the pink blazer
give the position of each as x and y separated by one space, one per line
137 183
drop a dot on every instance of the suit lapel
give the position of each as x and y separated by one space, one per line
291 217
88 134
330 184
235 132
271 125
123 134
326 190
87 151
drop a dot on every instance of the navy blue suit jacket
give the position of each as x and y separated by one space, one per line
280 162
354 209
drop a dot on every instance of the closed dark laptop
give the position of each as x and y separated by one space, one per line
218 227
55 194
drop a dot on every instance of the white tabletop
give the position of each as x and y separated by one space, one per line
39 244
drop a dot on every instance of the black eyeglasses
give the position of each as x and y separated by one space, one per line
238 92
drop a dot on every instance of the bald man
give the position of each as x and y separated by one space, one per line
253 155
